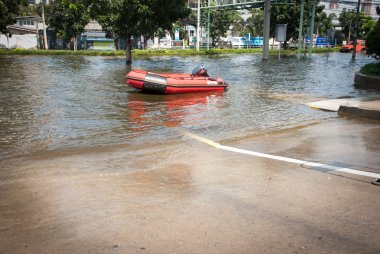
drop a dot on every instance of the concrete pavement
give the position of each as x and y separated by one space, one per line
190 197
357 107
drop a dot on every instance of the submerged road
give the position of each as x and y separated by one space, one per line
190 197
89 166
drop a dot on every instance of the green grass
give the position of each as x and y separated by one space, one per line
371 69
61 52
156 52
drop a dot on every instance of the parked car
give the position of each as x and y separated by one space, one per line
360 46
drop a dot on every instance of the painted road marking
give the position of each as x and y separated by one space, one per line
280 158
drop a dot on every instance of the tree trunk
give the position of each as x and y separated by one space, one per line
75 43
116 44
128 51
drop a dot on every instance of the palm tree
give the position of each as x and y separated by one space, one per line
323 23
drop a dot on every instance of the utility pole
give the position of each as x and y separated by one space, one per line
267 8
356 30
198 23
312 29
37 34
300 37
208 25
44 27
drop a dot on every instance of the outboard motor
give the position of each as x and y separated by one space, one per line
199 71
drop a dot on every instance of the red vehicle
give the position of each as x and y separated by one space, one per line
169 83
360 46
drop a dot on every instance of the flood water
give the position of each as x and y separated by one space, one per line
70 102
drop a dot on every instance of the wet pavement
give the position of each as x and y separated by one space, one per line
195 198
365 108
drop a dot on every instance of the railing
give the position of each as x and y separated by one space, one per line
228 4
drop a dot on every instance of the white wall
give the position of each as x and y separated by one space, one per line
25 41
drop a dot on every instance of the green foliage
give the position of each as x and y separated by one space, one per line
371 69
68 17
149 53
346 19
373 42
347 22
255 23
9 9
367 26
221 20
28 10
124 18
286 15
238 26
290 14
323 23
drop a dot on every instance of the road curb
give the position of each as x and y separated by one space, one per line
366 81
360 112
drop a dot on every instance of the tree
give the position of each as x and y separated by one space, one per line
9 9
373 39
238 26
69 17
367 24
255 23
347 22
323 23
126 18
285 14
220 22
28 10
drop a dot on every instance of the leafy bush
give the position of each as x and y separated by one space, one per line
371 69
155 52
373 42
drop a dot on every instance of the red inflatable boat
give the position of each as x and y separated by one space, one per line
197 81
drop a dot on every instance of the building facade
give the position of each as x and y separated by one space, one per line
38 1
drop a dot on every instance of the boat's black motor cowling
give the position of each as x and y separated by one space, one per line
199 71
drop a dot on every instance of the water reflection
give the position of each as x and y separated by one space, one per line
60 102
146 112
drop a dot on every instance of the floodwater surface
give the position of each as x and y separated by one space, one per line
65 102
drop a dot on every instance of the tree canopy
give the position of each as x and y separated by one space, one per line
221 21
373 39
290 15
9 9
69 17
347 22
255 23
125 18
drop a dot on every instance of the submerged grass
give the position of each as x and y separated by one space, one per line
152 52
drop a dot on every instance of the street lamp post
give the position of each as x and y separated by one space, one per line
300 38
312 29
198 23
208 25
267 8
356 30
44 27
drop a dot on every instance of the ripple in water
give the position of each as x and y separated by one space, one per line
63 102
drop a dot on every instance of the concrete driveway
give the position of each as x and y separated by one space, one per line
190 197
